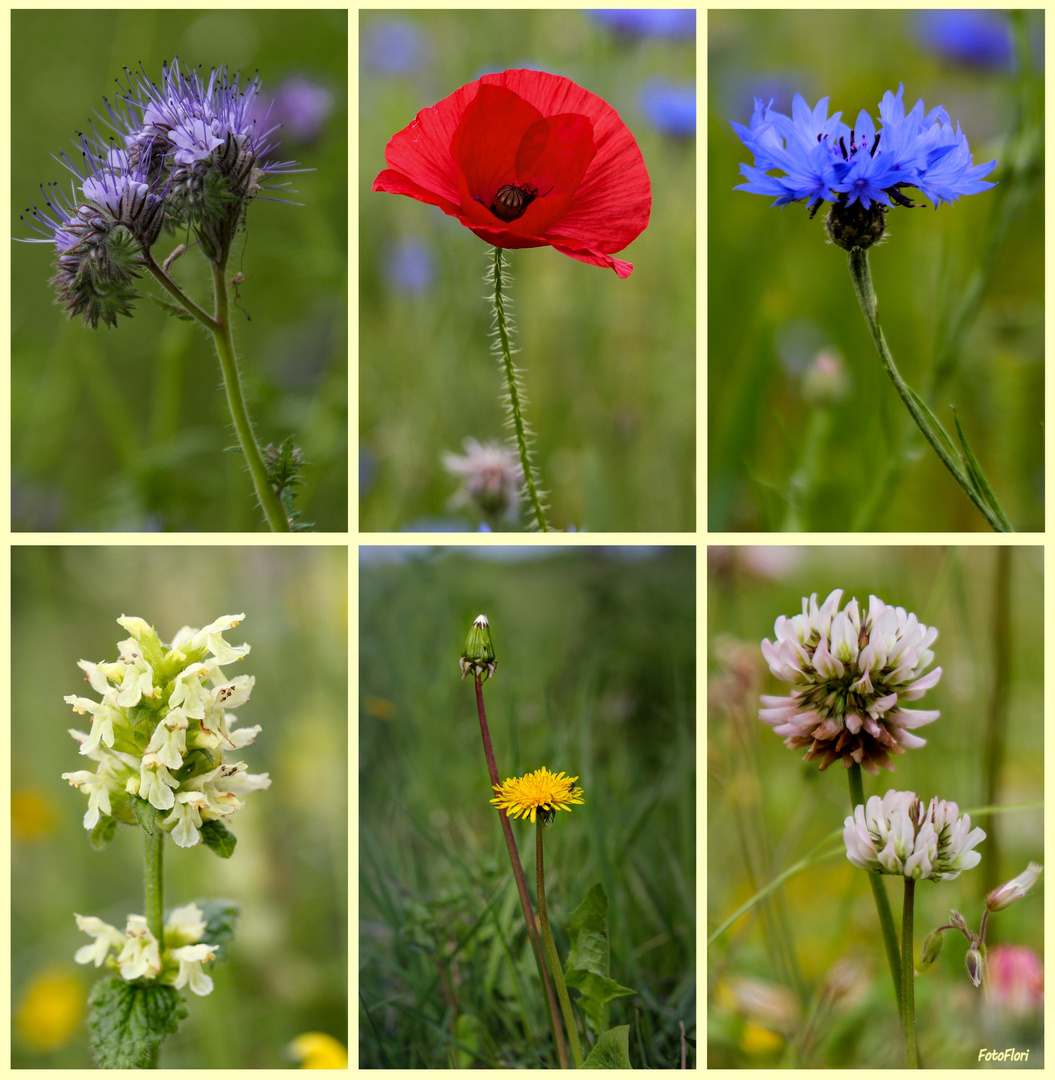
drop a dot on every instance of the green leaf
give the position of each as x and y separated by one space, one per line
612 1050
172 309
935 423
105 830
220 917
146 814
215 835
978 477
587 967
127 1021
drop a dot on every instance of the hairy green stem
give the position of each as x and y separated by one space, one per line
908 1002
154 896
518 874
857 259
551 948
514 391
882 901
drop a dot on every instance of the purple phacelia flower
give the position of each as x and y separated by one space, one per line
821 159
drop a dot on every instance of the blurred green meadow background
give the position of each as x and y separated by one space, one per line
806 433
608 365
596 677
128 428
287 970
801 980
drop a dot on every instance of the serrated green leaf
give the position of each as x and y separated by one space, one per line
104 831
146 814
216 836
612 1050
220 917
127 1021
588 958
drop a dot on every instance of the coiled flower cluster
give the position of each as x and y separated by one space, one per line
160 732
895 835
185 153
851 671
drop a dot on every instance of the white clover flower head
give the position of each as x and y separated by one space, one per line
1014 889
895 835
851 671
183 695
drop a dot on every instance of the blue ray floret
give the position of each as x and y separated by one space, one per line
820 159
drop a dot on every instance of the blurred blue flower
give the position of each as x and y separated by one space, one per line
393 47
670 108
409 266
648 22
967 37
823 160
299 107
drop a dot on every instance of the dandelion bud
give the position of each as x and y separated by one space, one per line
932 944
478 656
1014 889
976 964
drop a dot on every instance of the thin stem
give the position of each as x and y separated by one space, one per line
551 948
154 897
882 901
178 294
908 1003
857 259
265 493
518 874
514 392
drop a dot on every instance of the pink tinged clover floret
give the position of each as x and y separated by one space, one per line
850 672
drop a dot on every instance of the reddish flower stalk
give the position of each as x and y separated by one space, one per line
527 159
518 873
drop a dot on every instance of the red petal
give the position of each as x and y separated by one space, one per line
486 142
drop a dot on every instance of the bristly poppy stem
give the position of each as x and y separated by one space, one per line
518 874
551 948
514 390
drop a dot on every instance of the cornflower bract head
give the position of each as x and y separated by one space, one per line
864 169
895 835
850 671
541 790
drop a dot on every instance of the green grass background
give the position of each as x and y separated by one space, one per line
777 292
608 365
767 809
128 429
287 972
596 677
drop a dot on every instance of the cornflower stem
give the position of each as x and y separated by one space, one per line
551 948
882 901
154 895
861 275
518 874
908 1003
514 391
219 325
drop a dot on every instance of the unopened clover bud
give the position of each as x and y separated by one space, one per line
478 656
976 964
932 944
959 922
1014 889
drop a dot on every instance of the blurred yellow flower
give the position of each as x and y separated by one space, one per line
32 815
540 790
51 1011
314 1050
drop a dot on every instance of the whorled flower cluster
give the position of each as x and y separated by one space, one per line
895 835
161 729
185 153
851 671
139 955
820 159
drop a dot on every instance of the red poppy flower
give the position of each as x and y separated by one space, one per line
527 159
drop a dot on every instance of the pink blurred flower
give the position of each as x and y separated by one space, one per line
1015 981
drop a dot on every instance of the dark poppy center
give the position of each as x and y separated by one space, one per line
511 200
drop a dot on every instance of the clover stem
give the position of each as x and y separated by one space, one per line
518 874
221 331
908 1003
514 391
882 901
857 260
551 949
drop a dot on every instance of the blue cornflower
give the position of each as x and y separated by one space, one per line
824 160
670 107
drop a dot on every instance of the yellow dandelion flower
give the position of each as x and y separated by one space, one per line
540 790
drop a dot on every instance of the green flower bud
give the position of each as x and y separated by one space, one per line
932 944
976 964
478 656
